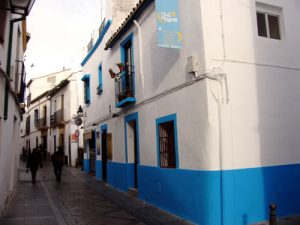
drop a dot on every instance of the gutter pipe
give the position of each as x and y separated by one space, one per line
140 53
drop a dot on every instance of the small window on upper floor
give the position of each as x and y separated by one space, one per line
100 83
268 21
87 94
36 117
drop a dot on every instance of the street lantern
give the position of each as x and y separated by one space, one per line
21 7
80 111
78 118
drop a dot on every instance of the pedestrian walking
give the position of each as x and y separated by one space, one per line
58 161
39 150
33 164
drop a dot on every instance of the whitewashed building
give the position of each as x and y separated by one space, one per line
206 128
13 44
52 103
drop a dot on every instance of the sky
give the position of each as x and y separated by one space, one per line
60 30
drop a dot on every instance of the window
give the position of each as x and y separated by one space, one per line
28 125
127 60
87 96
28 100
268 21
100 84
125 82
36 117
167 142
44 121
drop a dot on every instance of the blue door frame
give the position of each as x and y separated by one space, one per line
102 164
132 167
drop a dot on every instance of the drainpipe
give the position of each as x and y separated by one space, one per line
140 53
11 29
220 109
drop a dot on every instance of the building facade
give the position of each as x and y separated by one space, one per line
13 44
207 129
52 103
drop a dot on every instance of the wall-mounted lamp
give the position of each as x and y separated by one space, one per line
80 111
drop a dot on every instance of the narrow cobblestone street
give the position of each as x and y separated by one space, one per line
78 199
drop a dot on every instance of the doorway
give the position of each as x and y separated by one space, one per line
132 148
104 153
69 147
92 152
54 143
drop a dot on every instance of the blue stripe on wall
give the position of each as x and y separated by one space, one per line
86 165
120 175
98 169
195 195
252 190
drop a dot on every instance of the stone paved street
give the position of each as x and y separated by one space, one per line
78 199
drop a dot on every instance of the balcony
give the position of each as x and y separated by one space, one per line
124 87
42 124
57 119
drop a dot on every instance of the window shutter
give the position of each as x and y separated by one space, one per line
2 25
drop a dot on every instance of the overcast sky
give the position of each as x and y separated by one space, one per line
59 29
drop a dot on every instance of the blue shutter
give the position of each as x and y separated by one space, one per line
100 84
88 92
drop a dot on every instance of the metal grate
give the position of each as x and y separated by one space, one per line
167 145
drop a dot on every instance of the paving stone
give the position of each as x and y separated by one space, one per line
78 200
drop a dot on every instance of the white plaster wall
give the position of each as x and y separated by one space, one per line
40 85
9 152
73 97
261 117
160 75
255 129
99 106
9 129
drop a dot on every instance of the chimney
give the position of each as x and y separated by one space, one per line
118 10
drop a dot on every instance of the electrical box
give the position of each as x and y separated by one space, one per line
193 64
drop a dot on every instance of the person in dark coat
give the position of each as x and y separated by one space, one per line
33 164
58 163
39 151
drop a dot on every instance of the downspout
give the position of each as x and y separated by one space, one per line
140 54
221 115
11 29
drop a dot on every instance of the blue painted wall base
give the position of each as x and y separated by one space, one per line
196 195
98 169
120 175
86 165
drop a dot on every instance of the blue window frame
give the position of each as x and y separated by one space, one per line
100 83
125 84
87 89
167 144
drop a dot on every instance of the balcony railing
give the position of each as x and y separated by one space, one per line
42 123
124 88
57 118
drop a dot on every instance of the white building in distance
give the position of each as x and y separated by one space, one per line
52 104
